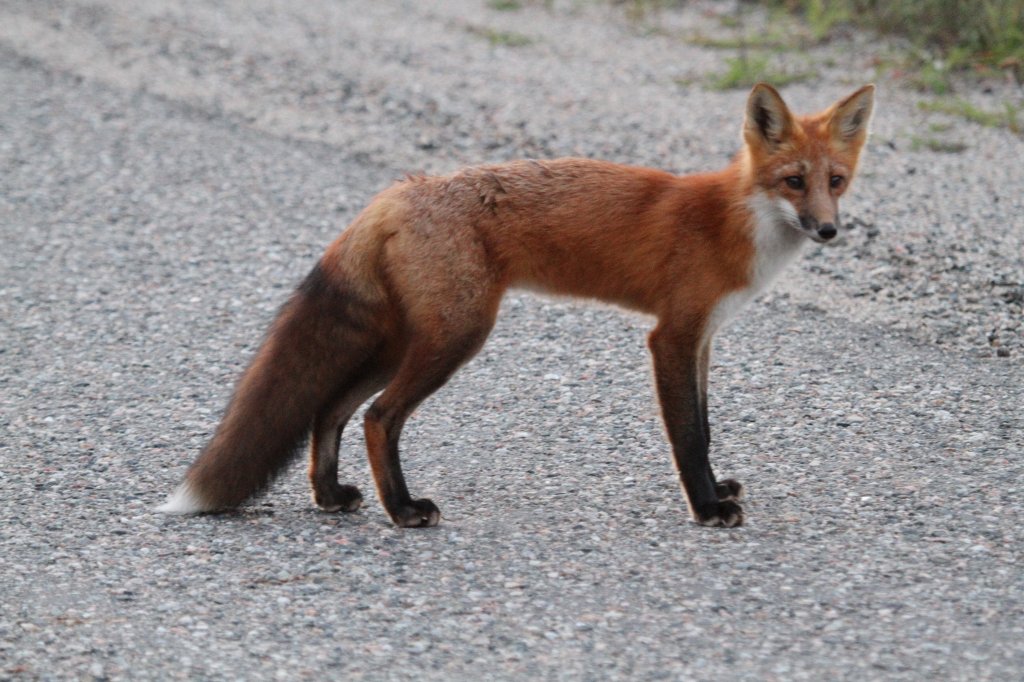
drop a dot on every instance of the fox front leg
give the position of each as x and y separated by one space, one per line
680 368
730 488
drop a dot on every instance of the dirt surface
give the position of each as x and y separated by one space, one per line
170 170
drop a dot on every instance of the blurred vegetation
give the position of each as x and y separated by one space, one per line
1009 117
746 70
500 38
946 36
960 32
941 43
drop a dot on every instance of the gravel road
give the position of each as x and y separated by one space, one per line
170 170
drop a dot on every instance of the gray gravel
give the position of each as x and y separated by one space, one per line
171 169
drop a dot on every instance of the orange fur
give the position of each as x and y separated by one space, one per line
411 289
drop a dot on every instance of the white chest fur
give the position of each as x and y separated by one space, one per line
777 240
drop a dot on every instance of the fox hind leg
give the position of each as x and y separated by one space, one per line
328 493
426 367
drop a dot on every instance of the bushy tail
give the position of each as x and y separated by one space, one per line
315 347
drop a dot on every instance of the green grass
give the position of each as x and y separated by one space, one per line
638 10
745 71
505 5
500 38
1009 117
924 71
936 144
823 16
760 42
931 77
516 5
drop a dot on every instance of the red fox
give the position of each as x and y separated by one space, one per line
409 292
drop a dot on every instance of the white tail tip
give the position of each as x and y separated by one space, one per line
182 501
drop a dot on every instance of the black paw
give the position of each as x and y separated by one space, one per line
335 497
722 514
729 490
420 513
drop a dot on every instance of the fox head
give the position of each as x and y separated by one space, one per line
803 164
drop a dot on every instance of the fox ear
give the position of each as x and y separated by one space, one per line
768 119
851 116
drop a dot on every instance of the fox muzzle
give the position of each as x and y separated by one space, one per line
821 232
827 231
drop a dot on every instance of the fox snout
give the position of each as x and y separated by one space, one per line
820 231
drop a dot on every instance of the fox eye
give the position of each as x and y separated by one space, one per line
795 182
836 181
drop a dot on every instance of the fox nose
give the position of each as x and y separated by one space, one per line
827 231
